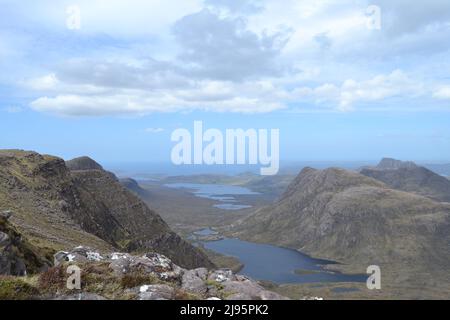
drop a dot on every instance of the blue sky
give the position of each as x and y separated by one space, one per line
134 71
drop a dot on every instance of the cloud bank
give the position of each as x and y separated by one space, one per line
227 56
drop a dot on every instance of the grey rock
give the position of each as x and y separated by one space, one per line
222 275
59 258
247 289
158 265
194 281
120 263
79 254
6 214
4 240
156 292
213 285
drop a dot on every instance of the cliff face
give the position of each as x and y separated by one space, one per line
359 221
59 208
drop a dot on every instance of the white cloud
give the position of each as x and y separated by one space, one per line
249 56
205 95
350 92
443 92
47 82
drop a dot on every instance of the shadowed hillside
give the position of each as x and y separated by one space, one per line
59 208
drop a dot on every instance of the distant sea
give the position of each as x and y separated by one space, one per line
138 169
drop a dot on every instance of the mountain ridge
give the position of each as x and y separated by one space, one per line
409 177
58 208
358 221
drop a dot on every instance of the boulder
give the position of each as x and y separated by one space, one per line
222 275
195 281
243 288
6 214
120 263
79 254
156 292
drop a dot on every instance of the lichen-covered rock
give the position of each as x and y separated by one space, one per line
79 254
222 275
155 277
156 292
195 281
243 288
151 263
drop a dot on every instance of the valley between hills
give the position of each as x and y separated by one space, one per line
340 221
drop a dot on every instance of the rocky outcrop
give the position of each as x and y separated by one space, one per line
409 177
393 164
172 282
17 256
60 208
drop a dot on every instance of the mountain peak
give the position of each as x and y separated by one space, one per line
393 164
83 163
409 177
311 181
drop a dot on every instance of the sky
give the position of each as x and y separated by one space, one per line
343 80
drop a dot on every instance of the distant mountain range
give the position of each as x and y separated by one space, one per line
408 176
441 169
358 221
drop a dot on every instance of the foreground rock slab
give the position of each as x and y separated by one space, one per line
159 278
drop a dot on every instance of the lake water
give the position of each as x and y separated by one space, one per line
224 194
267 262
